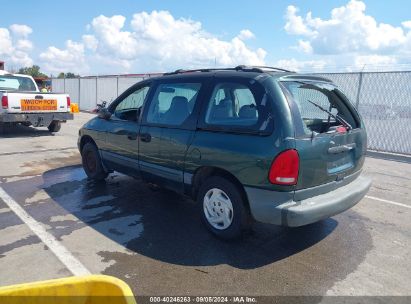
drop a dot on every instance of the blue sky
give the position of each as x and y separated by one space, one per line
309 44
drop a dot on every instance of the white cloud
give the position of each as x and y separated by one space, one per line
305 46
373 61
302 65
70 59
21 58
90 42
344 63
295 24
246 34
24 45
21 30
6 45
15 47
348 30
157 41
112 40
350 36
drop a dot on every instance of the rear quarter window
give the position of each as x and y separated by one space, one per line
238 107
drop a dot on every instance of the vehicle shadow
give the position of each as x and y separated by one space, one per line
165 226
23 131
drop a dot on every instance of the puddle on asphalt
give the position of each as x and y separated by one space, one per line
92 203
26 241
74 208
70 158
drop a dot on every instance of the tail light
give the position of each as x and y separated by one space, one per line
284 169
68 101
4 102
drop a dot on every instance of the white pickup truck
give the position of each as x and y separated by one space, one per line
22 102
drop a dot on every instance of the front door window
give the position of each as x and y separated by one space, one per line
173 103
129 108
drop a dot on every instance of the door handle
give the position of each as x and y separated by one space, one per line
343 148
146 137
132 136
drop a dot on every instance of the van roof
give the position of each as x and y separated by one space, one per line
243 71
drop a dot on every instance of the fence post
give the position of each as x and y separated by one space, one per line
357 101
96 91
79 92
117 85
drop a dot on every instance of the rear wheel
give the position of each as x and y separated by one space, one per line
6 127
54 126
92 162
223 208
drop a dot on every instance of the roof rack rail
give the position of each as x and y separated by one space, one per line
182 71
258 69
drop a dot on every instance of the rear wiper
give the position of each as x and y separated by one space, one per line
336 117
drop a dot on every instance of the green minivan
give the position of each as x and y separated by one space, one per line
247 143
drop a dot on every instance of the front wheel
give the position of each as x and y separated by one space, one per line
92 162
54 126
223 208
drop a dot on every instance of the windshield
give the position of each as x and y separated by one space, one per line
321 106
16 83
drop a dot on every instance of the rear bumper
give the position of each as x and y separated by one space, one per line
280 207
36 119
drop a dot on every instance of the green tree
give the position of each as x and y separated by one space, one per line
67 75
33 71
71 75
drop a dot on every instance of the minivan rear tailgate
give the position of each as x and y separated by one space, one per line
330 137
325 157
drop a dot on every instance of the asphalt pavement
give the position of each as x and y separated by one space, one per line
54 222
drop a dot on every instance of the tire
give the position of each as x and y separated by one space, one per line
92 164
54 126
221 200
6 128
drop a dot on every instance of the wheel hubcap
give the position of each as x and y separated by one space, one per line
218 209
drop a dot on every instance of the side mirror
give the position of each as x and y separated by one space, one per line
104 113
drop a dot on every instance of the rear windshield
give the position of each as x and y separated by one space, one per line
322 106
16 83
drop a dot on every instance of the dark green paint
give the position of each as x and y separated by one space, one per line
246 156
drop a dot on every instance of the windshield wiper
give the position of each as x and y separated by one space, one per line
336 117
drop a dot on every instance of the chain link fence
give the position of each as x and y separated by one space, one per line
90 91
384 102
382 98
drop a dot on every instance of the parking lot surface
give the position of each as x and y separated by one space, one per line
54 222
